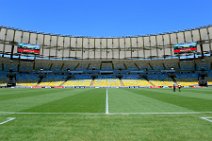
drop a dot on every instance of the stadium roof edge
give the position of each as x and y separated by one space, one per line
109 37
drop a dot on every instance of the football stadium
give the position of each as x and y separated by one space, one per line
59 87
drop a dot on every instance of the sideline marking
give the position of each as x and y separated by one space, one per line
162 113
7 120
106 103
207 118
72 113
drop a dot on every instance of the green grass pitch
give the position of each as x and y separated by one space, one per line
80 115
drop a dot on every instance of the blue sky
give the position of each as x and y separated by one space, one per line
104 18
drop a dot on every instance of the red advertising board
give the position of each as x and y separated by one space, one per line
30 51
28 48
185 50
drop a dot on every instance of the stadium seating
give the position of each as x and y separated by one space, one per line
187 65
68 65
78 82
204 63
131 66
102 62
27 74
27 79
157 64
131 82
119 65
107 82
106 66
143 65
44 64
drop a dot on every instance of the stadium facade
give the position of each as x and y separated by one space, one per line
67 47
65 58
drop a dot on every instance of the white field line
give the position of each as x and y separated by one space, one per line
7 120
72 113
162 113
107 103
207 118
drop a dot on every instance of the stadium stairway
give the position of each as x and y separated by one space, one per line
92 82
121 82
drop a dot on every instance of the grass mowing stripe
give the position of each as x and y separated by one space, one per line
149 126
6 91
188 93
202 91
191 103
122 101
9 90
28 102
28 93
91 100
205 89
107 128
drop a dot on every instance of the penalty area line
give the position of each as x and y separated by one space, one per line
209 119
7 120
73 113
